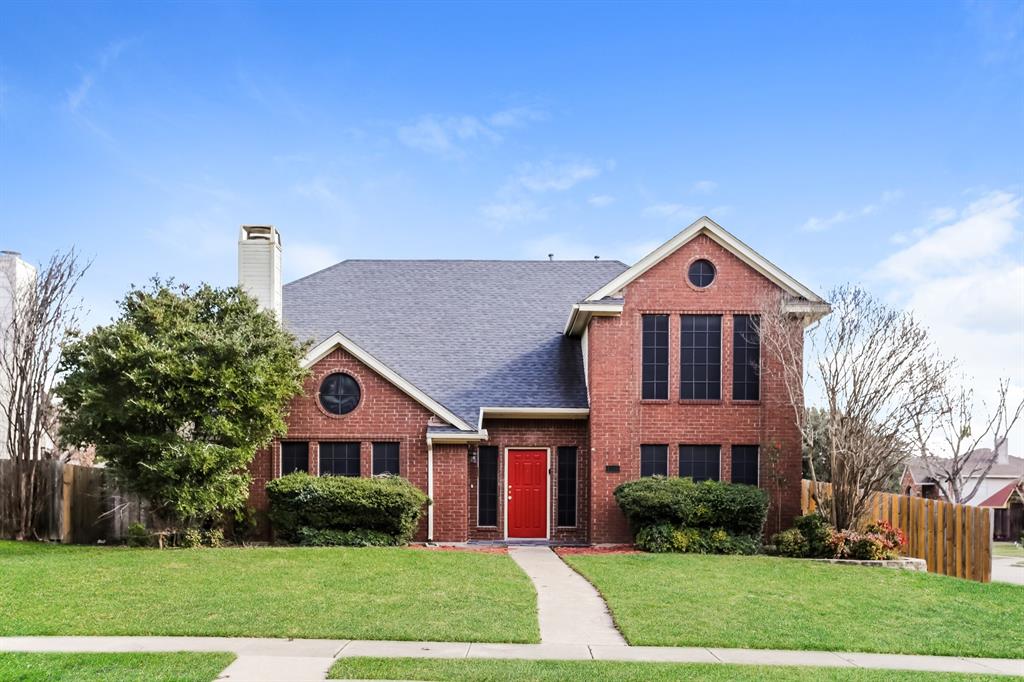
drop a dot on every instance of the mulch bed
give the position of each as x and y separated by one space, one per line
484 549
607 549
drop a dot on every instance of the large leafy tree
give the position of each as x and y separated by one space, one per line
179 392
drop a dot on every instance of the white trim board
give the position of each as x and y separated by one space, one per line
339 340
723 238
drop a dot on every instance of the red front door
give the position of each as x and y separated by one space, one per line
527 493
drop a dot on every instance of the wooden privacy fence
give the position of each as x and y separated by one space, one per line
953 539
80 504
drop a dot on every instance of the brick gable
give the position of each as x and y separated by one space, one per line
620 421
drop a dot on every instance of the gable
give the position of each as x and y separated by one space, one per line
715 232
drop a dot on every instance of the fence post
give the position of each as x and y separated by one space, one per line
67 492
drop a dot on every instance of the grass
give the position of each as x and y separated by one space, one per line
764 602
601 671
335 593
176 667
1007 549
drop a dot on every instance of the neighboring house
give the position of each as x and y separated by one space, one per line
998 490
15 274
519 394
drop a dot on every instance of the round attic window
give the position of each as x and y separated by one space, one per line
339 393
702 273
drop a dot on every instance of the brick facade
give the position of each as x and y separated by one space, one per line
619 422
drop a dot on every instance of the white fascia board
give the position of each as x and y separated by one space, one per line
533 413
581 313
463 437
726 240
339 340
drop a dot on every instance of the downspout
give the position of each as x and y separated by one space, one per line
430 490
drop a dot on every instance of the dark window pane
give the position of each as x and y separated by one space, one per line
487 487
385 459
339 393
701 357
746 364
339 459
655 357
654 460
294 457
699 462
567 486
701 273
744 464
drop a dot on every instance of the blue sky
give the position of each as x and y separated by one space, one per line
881 143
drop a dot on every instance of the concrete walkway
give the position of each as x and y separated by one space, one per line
1004 570
570 610
303 660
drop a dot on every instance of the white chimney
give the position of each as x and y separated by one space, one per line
259 265
1002 451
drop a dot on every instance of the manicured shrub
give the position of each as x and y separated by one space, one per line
737 509
192 537
880 542
386 504
791 543
666 538
313 537
817 532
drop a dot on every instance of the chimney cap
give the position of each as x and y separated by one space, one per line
5 252
266 233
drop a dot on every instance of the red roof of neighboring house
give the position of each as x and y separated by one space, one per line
1001 497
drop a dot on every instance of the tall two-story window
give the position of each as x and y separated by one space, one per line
567 477
385 459
654 460
699 462
294 457
746 358
339 459
701 357
744 464
487 487
655 357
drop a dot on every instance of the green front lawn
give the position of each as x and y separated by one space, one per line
336 593
478 670
171 667
1007 549
763 602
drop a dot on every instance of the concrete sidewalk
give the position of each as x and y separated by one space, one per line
302 660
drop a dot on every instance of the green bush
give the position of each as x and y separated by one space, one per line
192 537
138 536
659 538
817 532
666 538
791 543
313 537
386 504
681 503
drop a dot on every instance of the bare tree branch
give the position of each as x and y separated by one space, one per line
40 316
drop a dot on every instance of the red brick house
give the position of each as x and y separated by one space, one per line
519 394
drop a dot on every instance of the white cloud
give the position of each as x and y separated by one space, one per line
446 135
77 95
965 280
557 177
816 224
320 189
513 211
983 229
515 117
704 186
601 200
670 210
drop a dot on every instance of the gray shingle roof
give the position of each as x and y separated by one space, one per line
469 334
976 459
